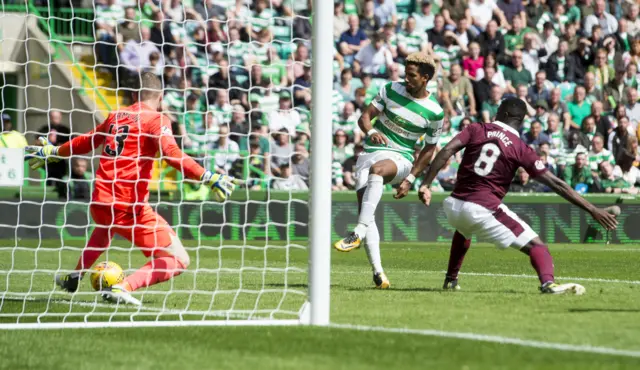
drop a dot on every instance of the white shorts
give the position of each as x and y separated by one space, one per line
502 227
366 160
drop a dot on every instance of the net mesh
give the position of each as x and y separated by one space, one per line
236 89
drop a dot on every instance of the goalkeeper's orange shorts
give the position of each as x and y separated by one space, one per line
144 228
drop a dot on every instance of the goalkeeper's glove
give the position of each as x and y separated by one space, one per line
221 185
42 154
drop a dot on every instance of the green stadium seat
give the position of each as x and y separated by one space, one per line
350 7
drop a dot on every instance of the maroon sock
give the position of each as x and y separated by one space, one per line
459 247
542 262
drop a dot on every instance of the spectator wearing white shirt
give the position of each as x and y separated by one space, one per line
288 181
227 151
607 22
425 18
633 108
386 11
373 58
482 11
284 117
135 56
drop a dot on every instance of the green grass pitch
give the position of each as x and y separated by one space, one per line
499 298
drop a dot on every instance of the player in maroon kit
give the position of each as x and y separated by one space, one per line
493 153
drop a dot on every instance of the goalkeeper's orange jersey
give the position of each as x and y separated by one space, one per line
130 140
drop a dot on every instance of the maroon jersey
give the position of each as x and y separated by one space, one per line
492 155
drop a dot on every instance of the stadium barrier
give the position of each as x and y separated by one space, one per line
284 216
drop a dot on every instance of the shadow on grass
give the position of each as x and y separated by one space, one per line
280 285
438 290
612 310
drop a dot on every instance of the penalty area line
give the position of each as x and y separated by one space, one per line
564 347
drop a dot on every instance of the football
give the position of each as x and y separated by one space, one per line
106 274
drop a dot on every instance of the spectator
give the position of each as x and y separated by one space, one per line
482 88
514 38
347 85
238 127
633 20
492 41
541 113
557 18
341 21
631 76
598 153
633 108
373 58
191 124
579 172
370 23
614 91
300 162
135 57
77 186
284 118
226 151
342 149
539 90
490 107
473 62
600 17
129 29
348 122
557 105
568 156
512 9
524 184
256 134
626 169
288 181
349 167
448 133
482 11
453 11
588 131
464 35
555 134
107 18
386 11
531 53
498 77
592 92
299 59
603 124
578 108
221 107
535 136
57 134
450 53
610 183
352 40
544 149
447 176
425 18
550 42
435 36
411 39
516 75
457 92
390 39
281 150
534 10
161 34
601 69
580 60
619 137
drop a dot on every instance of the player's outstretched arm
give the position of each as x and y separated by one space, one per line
423 160
441 159
604 218
221 185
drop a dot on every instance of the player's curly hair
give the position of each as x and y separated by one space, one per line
424 62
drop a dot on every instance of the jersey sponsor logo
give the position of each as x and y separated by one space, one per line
539 165
165 131
500 136
393 127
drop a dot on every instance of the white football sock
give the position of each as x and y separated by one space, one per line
372 246
370 200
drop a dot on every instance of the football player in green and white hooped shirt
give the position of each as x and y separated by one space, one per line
404 111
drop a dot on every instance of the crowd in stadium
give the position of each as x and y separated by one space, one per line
237 78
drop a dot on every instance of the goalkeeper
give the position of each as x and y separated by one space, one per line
130 140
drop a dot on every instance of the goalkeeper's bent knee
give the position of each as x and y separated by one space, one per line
178 251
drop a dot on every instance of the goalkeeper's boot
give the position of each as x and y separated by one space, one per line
450 284
69 282
119 295
351 242
570 288
381 280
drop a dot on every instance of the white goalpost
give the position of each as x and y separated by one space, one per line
263 257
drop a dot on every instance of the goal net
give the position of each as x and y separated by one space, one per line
236 78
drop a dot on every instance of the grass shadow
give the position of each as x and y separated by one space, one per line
611 310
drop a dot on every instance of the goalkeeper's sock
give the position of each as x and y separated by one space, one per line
155 271
98 243
370 200
542 262
459 248
372 246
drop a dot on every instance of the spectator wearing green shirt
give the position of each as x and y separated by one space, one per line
517 74
490 107
579 172
610 183
514 39
274 70
191 124
578 108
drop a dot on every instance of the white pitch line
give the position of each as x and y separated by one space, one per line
490 274
496 339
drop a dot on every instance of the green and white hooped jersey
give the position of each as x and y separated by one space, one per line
404 119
